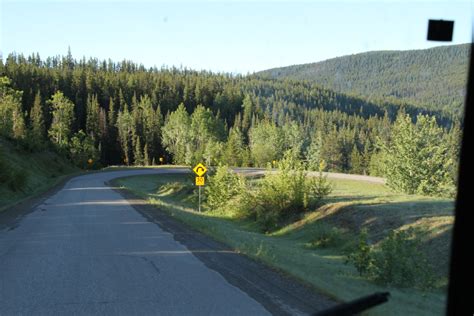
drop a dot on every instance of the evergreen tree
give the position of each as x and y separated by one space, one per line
416 162
247 107
125 131
313 153
234 148
356 161
332 151
37 119
137 153
92 118
146 156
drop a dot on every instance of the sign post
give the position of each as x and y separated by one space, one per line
200 170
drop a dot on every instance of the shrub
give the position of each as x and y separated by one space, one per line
287 193
222 187
400 262
397 261
318 188
326 236
362 257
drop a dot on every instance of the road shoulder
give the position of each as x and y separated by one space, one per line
279 293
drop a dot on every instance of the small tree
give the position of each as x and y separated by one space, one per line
37 126
12 120
417 161
313 153
356 161
222 187
92 120
137 153
63 115
81 149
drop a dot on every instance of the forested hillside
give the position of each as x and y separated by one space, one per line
433 78
98 113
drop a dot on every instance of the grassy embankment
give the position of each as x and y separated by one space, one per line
39 172
314 248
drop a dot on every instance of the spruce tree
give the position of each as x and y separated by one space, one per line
138 153
416 161
37 126
92 118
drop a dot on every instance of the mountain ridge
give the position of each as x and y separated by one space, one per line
433 78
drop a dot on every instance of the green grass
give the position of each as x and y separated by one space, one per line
43 170
293 249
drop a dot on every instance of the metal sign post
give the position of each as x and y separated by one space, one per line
199 199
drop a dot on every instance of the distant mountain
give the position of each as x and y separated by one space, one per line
432 78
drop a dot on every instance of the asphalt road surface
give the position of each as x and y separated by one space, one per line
85 250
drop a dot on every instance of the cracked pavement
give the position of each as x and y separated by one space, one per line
86 251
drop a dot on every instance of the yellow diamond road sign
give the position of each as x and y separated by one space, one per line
200 169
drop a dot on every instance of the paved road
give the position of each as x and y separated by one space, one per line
85 250
331 175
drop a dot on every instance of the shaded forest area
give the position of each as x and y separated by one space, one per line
101 113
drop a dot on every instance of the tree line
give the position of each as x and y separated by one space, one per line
122 113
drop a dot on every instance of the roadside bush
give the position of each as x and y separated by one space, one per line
318 188
397 261
362 257
326 236
400 262
222 187
280 196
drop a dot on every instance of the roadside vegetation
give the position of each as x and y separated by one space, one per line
360 238
24 174
100 113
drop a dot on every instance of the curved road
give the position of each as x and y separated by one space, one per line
86 250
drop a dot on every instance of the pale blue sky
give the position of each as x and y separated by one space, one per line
228 36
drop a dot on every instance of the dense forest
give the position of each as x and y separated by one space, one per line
432 78
99 113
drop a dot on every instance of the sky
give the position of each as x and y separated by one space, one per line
223 36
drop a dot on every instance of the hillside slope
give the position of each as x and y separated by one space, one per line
23 174
434 78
